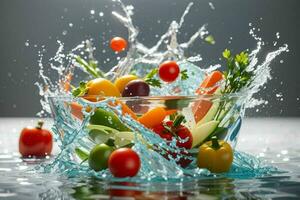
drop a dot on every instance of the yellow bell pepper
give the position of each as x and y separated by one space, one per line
215 155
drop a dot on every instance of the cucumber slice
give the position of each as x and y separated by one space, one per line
210 114
200 133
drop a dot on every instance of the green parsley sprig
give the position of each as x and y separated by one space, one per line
80 90
151 80
236 75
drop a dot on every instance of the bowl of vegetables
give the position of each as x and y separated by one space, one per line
102 116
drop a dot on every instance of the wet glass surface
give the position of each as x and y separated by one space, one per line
273 140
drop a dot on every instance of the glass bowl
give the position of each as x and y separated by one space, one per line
81 123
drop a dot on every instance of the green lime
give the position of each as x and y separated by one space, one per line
98 159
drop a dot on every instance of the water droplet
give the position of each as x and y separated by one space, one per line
65 32
92 12
211 5
284 152
71 25
277 35
101 14
27 43
281 61
14 106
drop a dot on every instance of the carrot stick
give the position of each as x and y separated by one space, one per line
201 107
210 81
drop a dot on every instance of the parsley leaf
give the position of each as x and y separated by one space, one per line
149 78
81 90
184 75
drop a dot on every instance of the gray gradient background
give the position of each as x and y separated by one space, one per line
42 23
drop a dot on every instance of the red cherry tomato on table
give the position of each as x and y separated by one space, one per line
35 141
124 162
118 44
168 71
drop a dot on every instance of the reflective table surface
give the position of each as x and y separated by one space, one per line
275 140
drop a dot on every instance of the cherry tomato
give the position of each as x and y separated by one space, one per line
168 71
98 158
163 130
118 44
35 141
124 162
168 131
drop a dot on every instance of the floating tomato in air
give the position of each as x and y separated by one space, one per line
168 71
118 44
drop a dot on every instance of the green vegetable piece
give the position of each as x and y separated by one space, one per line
98 159
99 136
210 39
83 155
110 119
149 78
226 54
184 75
81 90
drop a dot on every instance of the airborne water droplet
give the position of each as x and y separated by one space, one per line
65 32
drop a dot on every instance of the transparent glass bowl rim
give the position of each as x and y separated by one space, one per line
209 97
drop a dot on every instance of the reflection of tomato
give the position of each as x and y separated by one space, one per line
35 141
118 44
124 192
124 162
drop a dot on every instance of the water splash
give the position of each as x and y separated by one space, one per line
142 59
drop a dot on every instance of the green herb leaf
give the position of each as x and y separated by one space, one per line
210 39
226 54
149 78
81 90
184 75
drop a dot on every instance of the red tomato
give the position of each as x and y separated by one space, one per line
167 131
168 71
35 141
163 130
118 44
124 162
115 193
